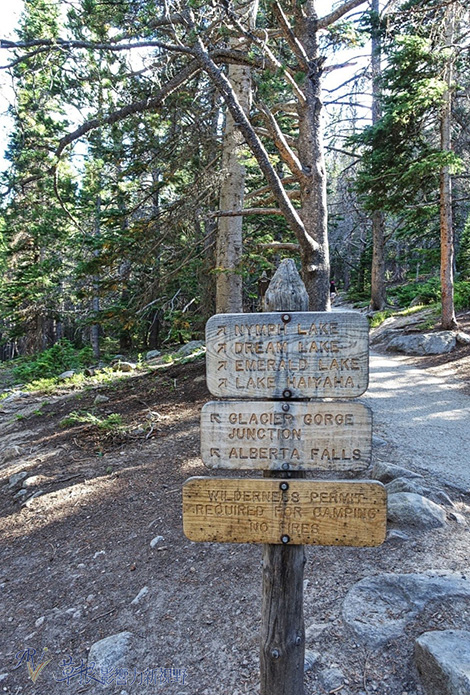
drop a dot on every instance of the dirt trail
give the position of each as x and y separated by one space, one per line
425 416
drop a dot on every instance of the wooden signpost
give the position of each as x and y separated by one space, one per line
284 356
288 355
284 511
276 435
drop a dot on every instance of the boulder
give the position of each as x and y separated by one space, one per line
443 662
423 343
124 367
410 509
100 398
66 375
385 472
152 354
189 348
462 338
404 485
378 609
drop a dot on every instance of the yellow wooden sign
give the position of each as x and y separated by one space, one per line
288 355
290 512
290 436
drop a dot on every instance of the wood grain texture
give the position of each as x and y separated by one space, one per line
275 435
288 355
309 512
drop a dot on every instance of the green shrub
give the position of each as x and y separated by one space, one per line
48 364
462 295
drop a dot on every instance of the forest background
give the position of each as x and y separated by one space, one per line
164 156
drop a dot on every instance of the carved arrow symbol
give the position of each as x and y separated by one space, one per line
222 365
215 417
215 452
222 330
222 382
221 347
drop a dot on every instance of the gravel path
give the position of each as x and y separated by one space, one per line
424 416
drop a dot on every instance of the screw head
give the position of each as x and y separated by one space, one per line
287 393
285 407
286 318
284 486
285 539
285 466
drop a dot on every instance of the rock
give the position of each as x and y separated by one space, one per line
378 609
423 343
124 367
39 621
33 480
16 478
155 541
20 494
143 592
152 354
67 375
331 679
100 398
200 379
189 348
315 630
462 338
397 536
111 652
404 485
414 510
385 472
443 662
311 658
377 441
89 371
119 358
9 453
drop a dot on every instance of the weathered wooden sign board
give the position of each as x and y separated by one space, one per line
291 511
288 355
275 435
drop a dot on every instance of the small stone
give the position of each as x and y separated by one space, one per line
98 553
67 375
200 379
463 338
16 478
39 621
32 481
377 441
143 592
21 493
315 630
156 540
9 453
100 398
459 518
331 679
111 652
311 658
397 536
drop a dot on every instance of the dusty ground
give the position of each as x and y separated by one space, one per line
74 557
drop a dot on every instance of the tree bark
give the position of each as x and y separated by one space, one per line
314 244
229 248
448 318
377 298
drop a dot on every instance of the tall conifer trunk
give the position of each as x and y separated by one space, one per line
229 248
448 318
377 298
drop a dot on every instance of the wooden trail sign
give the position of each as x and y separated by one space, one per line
275 435
288 355
286 512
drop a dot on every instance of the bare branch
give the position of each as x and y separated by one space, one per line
290 37
246 211
279 246
340 11
285 152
